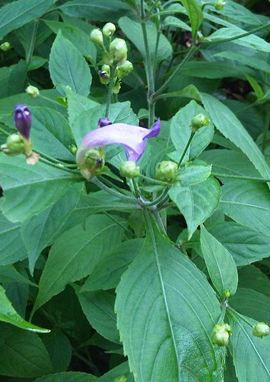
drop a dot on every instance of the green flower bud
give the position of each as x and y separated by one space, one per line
108 29
129 169
116 87
124 69
92 162
221 334
166 171
96 37
32 91
104 74
15 145
118 49
219 5
261 329
5 46
199 121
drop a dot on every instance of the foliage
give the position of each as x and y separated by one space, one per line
135 234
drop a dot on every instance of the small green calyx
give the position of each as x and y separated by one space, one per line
261 329
14 145
96 37
221 334
124 69
108 29
5 46
118 49
200 120
32 91
92 162
104 74
129 169
166 171
219 5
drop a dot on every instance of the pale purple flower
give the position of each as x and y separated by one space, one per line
133 138
23 120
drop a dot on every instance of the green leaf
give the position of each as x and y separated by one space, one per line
12 79
247 203
59 348
75 254
250 353
227 123
196 203
28 189
69 376
252 275
213 70
193 174
23 354
12 247
19 13
9 274
120 371
98 308
220 264
162 300
172 21
8 314
133 30
68 67
195 14
96 10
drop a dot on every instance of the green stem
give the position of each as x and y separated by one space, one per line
60 166
158 200
110 91
154 181
30 52
189 54
111 191
265 131
240 177
186 148
233 313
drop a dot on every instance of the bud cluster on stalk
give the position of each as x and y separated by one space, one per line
114 64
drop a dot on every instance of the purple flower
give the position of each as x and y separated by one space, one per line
104 122
133 138
23 120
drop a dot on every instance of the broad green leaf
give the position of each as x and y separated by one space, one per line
227 123
213 70
59 348
39 231
172 21
247 203
220 264
196 203
240 14
195 14
250 353
133 30
194 173
118 372
75 254
19 13
68 67
9 274
252 304
23 354
9 315
12 247
68 376
97 10
164 303
28 189
253 276
98 308
12 79
244 243
107 273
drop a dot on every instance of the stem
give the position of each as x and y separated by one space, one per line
32 42
186 148
240 177
233 312
135 188
110 89
158 200
60 166
189 54
154 181
104 187
265 131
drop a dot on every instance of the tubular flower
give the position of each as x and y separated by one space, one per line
23 120
132 138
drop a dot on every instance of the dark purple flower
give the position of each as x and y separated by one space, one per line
23 120
104 122
133 138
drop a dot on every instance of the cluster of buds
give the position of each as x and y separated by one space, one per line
115 65
221 334
20 143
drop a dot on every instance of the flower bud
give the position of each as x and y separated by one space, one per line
221 334
116 87
14 145
104 121
124 69
129 169
219 5
108 29
261 329
166 171
5 46
104 74
23 120
199 121
90 162
32 91
118 48
96 37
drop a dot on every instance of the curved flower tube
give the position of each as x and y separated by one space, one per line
23 120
